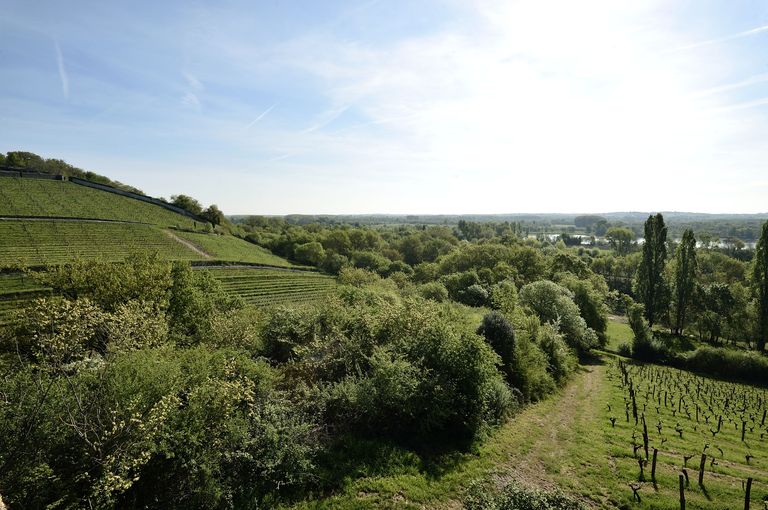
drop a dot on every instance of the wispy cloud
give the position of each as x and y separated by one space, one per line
190 99
752 80
62 69
725 38
326 119
279 158
260 116
194 88
743 106
192 81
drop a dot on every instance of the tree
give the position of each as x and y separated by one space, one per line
554 304
649 281
717 304
620 238
214 215
684 279
338 241
187 203
310 253
760 282
500 335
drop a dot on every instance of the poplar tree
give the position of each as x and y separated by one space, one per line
760 282
684 279
649 281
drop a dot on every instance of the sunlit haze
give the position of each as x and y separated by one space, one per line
399 106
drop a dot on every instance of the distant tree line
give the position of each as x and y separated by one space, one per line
32 162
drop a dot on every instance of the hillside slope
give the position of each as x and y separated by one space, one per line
48 198
45 221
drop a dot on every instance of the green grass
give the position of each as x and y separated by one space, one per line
618 333
568 441
48 198
46 242
264 287
722 481
402 479
232 249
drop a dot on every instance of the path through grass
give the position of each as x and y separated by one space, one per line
534 447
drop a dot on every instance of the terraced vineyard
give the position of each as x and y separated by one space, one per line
44 242
49 198
16 290
264 287
233 249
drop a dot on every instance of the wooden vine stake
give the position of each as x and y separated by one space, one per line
746 496
682 491
701 468
653 465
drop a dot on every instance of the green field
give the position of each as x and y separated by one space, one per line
618 333
232 249
44 242
263 287
48 198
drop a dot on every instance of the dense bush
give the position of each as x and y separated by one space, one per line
644 346
554 304
153 427
382 366
514 496
562 360
434 291
500 335
728 364
533 361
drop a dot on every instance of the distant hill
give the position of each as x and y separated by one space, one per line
31 162
45 221
50 198
743 226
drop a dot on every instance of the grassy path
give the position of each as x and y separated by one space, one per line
567 441
188 244
537 447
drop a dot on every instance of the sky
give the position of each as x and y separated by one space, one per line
399 106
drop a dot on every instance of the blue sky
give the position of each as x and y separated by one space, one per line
435 106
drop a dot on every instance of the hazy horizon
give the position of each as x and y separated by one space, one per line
439 107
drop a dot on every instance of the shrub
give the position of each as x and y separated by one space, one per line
153 427
728 363
554 303
504 296
434 291
625 350
309 253
284 330
370 261
357 277
523 363
402 369
475 295
562 360
398 266
500 335
644 346
514 496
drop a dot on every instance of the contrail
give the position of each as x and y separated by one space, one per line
261 116
738 35
752 80
62 71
